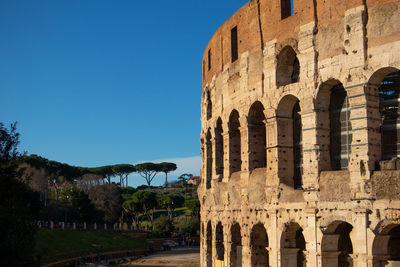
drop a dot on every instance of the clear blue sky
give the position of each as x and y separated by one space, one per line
96 82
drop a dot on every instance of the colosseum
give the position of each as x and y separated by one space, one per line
300 136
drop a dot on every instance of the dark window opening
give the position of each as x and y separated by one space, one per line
340 128
219 242
208 159
209 106
219 149
234 44
235 161
259 246
288 67
297 147
286 9
236 246
209 59
209 254
389 91
292 240
257 137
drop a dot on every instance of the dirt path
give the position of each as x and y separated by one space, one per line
181 257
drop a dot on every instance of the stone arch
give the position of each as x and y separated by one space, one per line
219 241
290 141
209 159
236 246
288 67
209 106
386 245
293 246
209 255
259 246
219 148
336 246
235 161
385 84
257 137
333 125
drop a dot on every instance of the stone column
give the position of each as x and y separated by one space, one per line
74 225
225 138
273 239
359 238
310 234
84 226
246 246
272 151
63 225
289 257
95 226
51 225
244 143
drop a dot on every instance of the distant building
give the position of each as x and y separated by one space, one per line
300 136
195 180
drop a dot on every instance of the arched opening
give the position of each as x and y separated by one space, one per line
208 159
219 242
288 67
293 246
209 255
386 246
209 106
259 245
219 149
337 248
340 128
389 90
257 137
236 246
290 141
235 161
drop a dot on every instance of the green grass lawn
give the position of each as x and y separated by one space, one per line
54 245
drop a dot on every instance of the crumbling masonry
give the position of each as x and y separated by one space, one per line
300 136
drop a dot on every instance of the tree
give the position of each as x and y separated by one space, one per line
189 226
107 198
123 170
133 208
163 226
148 201
193 205
170 202
16 222
148 171
167 167
184 178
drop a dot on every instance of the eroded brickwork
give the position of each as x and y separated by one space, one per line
299 136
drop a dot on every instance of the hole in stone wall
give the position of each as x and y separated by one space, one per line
234 44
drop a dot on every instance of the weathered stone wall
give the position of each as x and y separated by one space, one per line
353 212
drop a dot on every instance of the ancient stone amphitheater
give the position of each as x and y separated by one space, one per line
300 135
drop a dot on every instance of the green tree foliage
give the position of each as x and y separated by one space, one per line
184 178
148 171
16 225
188 225
123 171
107 199
148 201
133 209
167 167
170 202
163 226
193 205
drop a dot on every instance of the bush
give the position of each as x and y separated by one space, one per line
189 225
163 226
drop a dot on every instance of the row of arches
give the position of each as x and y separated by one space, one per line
333 126
336 246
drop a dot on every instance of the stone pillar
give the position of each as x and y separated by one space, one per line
310 234
84 226
285 150
244 143
95 226
330 259
63 225
225 138
359 239
51 225
105 226
273 239
272 152
246 246
74 225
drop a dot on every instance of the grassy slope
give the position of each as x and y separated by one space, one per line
54 245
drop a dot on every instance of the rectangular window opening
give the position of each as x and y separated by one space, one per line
209 59
286 8
234 44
